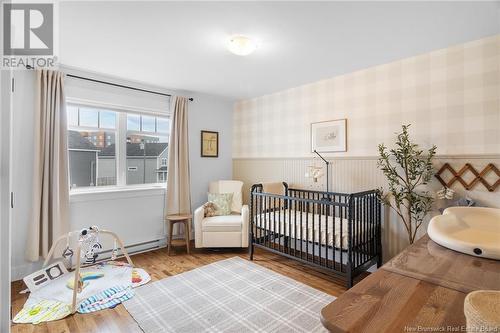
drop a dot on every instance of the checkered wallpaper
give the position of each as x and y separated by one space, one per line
451 97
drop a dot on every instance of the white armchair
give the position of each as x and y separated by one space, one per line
223 231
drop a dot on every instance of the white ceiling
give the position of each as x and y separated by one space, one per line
181 45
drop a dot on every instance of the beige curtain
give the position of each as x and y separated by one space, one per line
49 218
178 180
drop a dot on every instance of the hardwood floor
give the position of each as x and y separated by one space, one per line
159 265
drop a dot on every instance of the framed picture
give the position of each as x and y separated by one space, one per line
329 136
209 144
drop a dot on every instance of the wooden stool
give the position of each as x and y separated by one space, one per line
178 218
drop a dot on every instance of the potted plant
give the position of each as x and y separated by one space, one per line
407 170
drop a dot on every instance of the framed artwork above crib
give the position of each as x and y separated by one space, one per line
329 136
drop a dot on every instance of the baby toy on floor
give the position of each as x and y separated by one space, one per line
83 280
57 291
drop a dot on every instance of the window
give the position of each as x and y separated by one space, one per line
147 138
96 141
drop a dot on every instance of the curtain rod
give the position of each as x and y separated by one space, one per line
114 84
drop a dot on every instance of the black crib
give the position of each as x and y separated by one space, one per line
336 232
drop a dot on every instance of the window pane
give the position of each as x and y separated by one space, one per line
148 124
92 158
107 161
163 125
144 159
89 117
133 122
107 119
72 115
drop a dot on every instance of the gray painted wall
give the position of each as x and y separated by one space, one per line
215 114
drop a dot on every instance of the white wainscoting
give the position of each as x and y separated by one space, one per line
352 174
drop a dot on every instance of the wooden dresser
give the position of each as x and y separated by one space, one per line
421 288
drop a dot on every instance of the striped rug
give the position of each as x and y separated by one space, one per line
233 295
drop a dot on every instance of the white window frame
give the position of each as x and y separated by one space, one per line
120 146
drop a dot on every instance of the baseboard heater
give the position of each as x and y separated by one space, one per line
134 249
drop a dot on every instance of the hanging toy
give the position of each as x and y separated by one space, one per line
95 246
68 254
90 245
95 250
84 239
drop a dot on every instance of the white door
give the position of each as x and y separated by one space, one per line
5 114
23 113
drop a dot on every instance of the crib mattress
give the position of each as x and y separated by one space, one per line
319 228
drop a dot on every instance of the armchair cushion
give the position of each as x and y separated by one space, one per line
228 223
222 202
229 186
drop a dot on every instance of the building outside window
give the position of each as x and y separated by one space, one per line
147 147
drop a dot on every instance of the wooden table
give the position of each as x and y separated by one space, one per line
422 287
428 261
178 218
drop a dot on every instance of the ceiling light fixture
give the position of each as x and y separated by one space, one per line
241 45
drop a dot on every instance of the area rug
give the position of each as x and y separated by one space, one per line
233 295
